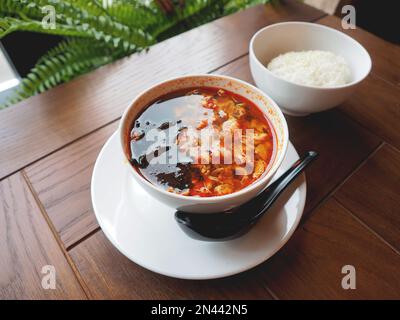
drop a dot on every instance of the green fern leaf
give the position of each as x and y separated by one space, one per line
9 25
97 34
67 60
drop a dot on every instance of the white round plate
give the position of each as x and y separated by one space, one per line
145 231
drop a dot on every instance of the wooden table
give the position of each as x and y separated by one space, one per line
48 145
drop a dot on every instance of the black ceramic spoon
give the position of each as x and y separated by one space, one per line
221 226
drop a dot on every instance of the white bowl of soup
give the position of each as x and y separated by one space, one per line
203 143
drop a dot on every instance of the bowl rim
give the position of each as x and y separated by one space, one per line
213 199
314 25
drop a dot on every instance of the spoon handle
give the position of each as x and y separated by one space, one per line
267 197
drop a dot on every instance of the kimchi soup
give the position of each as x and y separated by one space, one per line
202 142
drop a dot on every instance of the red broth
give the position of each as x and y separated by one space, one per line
202 142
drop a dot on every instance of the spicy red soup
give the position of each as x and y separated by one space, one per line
202 142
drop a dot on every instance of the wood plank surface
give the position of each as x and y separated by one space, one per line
373 194
59 134
27 245
341 142
385 55
62 183
110 275
49 121
376 106
310 265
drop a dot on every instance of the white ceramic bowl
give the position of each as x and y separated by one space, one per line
218 203
296 99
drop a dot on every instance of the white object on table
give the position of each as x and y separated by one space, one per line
145 230
295 99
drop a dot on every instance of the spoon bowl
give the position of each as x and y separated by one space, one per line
227 225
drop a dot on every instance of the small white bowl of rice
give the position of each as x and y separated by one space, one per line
307 67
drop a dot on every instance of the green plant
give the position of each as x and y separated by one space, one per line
97 33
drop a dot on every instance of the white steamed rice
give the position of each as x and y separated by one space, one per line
313 68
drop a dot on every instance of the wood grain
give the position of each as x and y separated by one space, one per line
26 245
62 182
373 194
310 265
353 227
47 122
385 55
376 106
110 275
342 144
